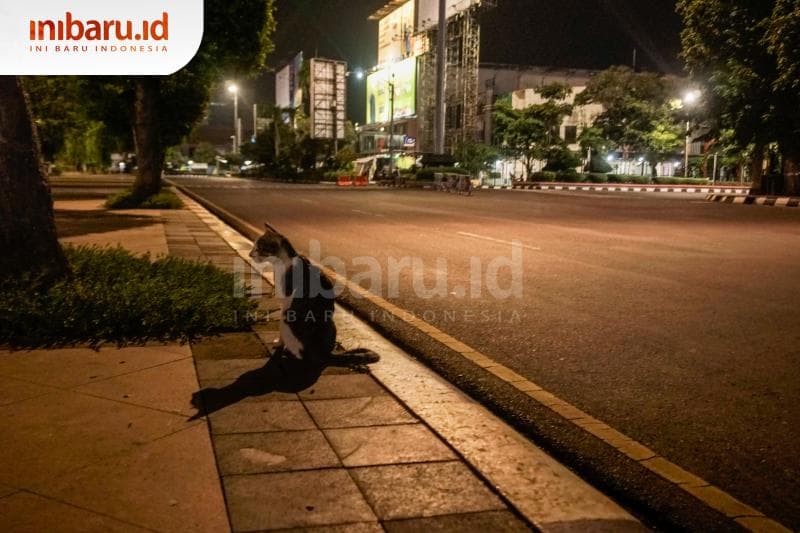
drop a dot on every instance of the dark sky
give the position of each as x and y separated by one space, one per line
564 33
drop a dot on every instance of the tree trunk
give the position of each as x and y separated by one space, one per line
757 171
791 173
150 152
28 241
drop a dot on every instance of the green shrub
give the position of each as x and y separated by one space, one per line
562 159
570 177
598 165
681 181
626 178
544 175
594 177
428 174
334 175
129 200
114 297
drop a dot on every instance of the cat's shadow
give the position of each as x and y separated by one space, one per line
279 374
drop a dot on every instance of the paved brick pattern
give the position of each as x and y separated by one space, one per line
340 453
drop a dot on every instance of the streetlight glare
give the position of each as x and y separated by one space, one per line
692 97
233 88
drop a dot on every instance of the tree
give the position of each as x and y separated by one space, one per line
71 121
532 134
27 228
164 109
639 116
783 40
475 157
592 141
747 54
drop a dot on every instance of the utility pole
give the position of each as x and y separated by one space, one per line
391 128
255 121
441 71
335 110
688 147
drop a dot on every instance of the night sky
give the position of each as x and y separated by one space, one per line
565 33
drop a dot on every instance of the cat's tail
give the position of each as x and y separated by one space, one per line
359 357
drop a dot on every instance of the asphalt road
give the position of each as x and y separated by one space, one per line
674 320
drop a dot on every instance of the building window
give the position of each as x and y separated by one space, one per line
571 134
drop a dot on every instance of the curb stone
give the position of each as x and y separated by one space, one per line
689 189
770 201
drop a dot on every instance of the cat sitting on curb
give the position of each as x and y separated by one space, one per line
307 330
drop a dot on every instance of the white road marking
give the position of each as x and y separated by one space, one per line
492 239
367 214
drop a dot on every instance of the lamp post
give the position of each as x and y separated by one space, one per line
391 126
688 100
237 133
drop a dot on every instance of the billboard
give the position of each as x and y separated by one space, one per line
428 11
395 32
288 93
328 98
404 76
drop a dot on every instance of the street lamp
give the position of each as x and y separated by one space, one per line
237 130
391 127
689 100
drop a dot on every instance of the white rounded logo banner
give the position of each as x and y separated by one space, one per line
98 37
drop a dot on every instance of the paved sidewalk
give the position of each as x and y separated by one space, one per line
101 441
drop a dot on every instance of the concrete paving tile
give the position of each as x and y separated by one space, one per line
259 453
52 434
358 412
226 369
295 500
594 526
384 445
167 387
14 390
72 367
28 513
261 417
494 521
343 386
230 346
361 527
6 490
534 482
423 490
255 398
170 484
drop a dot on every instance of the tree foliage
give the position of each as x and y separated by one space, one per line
532 134
748 55
639 117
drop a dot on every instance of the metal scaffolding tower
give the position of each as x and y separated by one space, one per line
461 85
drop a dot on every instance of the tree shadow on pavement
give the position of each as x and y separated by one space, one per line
279 374
77 223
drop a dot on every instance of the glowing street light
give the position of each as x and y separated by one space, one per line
689 100
237 130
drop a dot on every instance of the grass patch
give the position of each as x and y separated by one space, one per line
114 297
129 200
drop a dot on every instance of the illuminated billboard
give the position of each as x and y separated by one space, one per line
404 76
395 32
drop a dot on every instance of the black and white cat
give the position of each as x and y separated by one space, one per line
307 330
